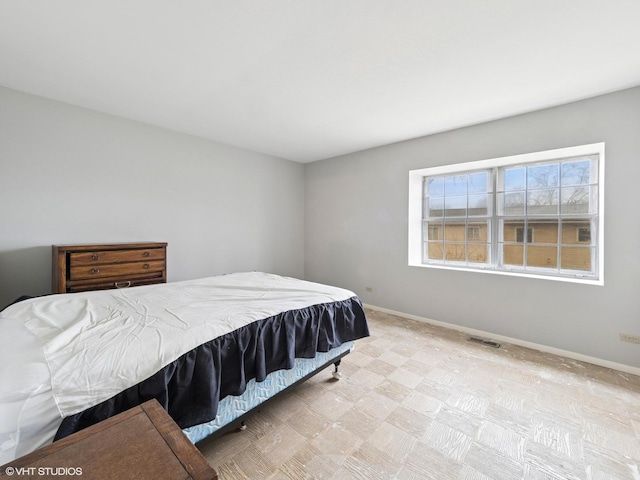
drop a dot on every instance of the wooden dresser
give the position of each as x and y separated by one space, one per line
141 443
78 268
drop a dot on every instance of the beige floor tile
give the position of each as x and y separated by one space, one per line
541 460
336 441
506 441
493 463
310 464
381 367
392 390
422 403
359 423
406 378
393 441
426 463
393 358
601 460
517 422
460 420
252 463
368 463
450 442
612 440
468 473
308 422
331 405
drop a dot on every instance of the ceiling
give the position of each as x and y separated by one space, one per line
306 80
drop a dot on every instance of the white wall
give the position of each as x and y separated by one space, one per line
71 175
356 232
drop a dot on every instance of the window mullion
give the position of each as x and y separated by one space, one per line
495 223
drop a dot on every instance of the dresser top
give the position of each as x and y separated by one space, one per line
109 246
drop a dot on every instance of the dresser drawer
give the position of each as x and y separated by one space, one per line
115 256
115 269
85 285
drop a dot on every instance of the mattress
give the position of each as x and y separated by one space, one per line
75 359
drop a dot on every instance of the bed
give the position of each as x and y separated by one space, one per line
209 350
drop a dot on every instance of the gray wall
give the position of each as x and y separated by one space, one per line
71 175
356 232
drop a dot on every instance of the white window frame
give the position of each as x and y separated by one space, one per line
416 199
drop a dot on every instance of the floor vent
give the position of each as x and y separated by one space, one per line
482 341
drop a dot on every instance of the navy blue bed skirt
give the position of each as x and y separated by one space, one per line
190 387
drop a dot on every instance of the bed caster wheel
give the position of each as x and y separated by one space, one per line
243 426
336 374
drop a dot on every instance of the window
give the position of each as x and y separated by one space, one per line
473 233
520 235
537 214
584 234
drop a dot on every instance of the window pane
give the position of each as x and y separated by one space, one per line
477 232
435 187
520 235
455 252
576 258
455 232
513 255
575 200
436 207
542 176
543 231
434 251
511 203
478 182
576 173
579 200
542 202
455 206
433 231
478 253
479 205
576 232
514 178
455 185
584 235
545 257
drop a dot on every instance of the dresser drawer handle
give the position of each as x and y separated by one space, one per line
95 270
94 257
145 266
122 284
146 254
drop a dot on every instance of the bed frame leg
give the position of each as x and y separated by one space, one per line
336 374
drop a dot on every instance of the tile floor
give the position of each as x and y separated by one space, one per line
421 402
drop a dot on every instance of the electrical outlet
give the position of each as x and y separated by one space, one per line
368 289
627 337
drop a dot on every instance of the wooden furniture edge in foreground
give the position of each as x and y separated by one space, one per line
141 443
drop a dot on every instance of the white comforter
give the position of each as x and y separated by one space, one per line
64 353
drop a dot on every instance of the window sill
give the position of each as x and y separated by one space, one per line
513 273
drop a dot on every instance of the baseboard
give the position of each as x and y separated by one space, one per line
514 341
